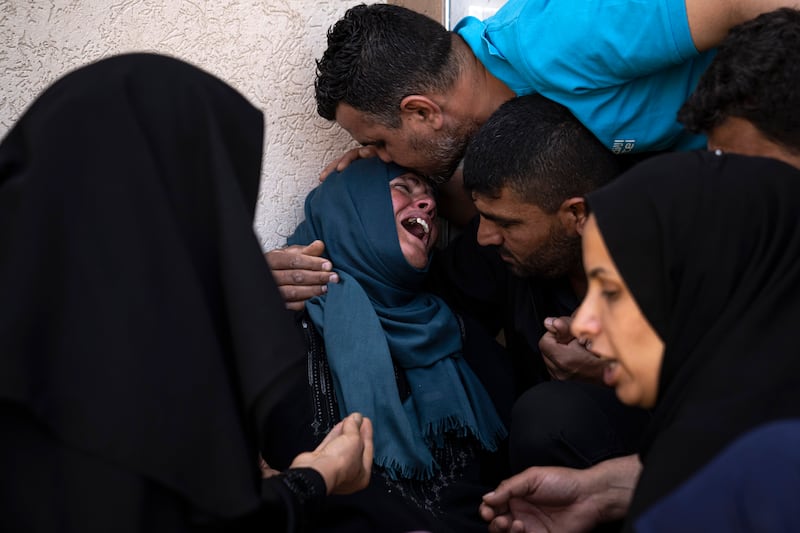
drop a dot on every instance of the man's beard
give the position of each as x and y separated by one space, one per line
446 149
558 258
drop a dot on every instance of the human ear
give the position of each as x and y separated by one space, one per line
422 109
573 214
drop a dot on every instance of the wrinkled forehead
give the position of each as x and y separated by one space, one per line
412 177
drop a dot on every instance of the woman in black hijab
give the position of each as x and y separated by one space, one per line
694 297
142 339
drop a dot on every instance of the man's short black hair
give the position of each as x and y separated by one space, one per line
755 76
540 151
377 55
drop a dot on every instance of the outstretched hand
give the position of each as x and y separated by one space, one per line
362 152
565 356
344 457
300 272
540 499
552 498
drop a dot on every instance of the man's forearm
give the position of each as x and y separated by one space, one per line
616 480
710 20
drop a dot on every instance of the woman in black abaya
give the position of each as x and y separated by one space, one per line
694 301
142 339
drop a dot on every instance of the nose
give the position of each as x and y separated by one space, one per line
585 324
488 234
425 203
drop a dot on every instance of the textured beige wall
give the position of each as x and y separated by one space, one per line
264 48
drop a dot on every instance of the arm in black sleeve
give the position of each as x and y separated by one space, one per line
472 279
292 499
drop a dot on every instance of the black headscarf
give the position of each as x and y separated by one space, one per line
709 246
139 322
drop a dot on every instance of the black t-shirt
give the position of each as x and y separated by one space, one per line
477 284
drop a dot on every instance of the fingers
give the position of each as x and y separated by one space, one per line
295 296
300 272
570 361
316 248
363 426
518 485
550 349
339 457
505 524
487 512
496 501
330 167
560 328
501 524
296 287
356 432
351 425
369 448
555 371
332 434
297 257
362 152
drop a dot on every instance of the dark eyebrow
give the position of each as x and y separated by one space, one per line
495 218
595 272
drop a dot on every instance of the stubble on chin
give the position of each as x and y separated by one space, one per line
447 150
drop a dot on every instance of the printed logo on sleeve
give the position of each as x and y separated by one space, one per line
623 146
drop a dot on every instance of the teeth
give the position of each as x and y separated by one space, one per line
421 223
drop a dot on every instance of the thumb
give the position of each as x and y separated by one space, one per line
561 329
316 248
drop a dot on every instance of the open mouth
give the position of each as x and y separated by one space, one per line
418 227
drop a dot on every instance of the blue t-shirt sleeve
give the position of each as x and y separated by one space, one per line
623 67
575 46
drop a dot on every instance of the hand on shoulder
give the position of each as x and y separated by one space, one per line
300 272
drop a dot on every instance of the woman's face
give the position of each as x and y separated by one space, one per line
415 216
619 333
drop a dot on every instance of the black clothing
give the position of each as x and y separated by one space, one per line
708 245
141 328
447 503
572 424
50 486
555 423
475 282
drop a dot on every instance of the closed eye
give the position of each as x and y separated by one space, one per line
610 295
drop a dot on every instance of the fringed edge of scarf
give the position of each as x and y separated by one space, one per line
434 437
435 433
395 470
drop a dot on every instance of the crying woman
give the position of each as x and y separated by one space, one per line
379 344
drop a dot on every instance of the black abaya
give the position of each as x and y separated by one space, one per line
709 246
141 333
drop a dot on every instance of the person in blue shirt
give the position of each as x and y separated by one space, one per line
421 93
623 80
414 93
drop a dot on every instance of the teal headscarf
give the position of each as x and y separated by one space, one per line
378 313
